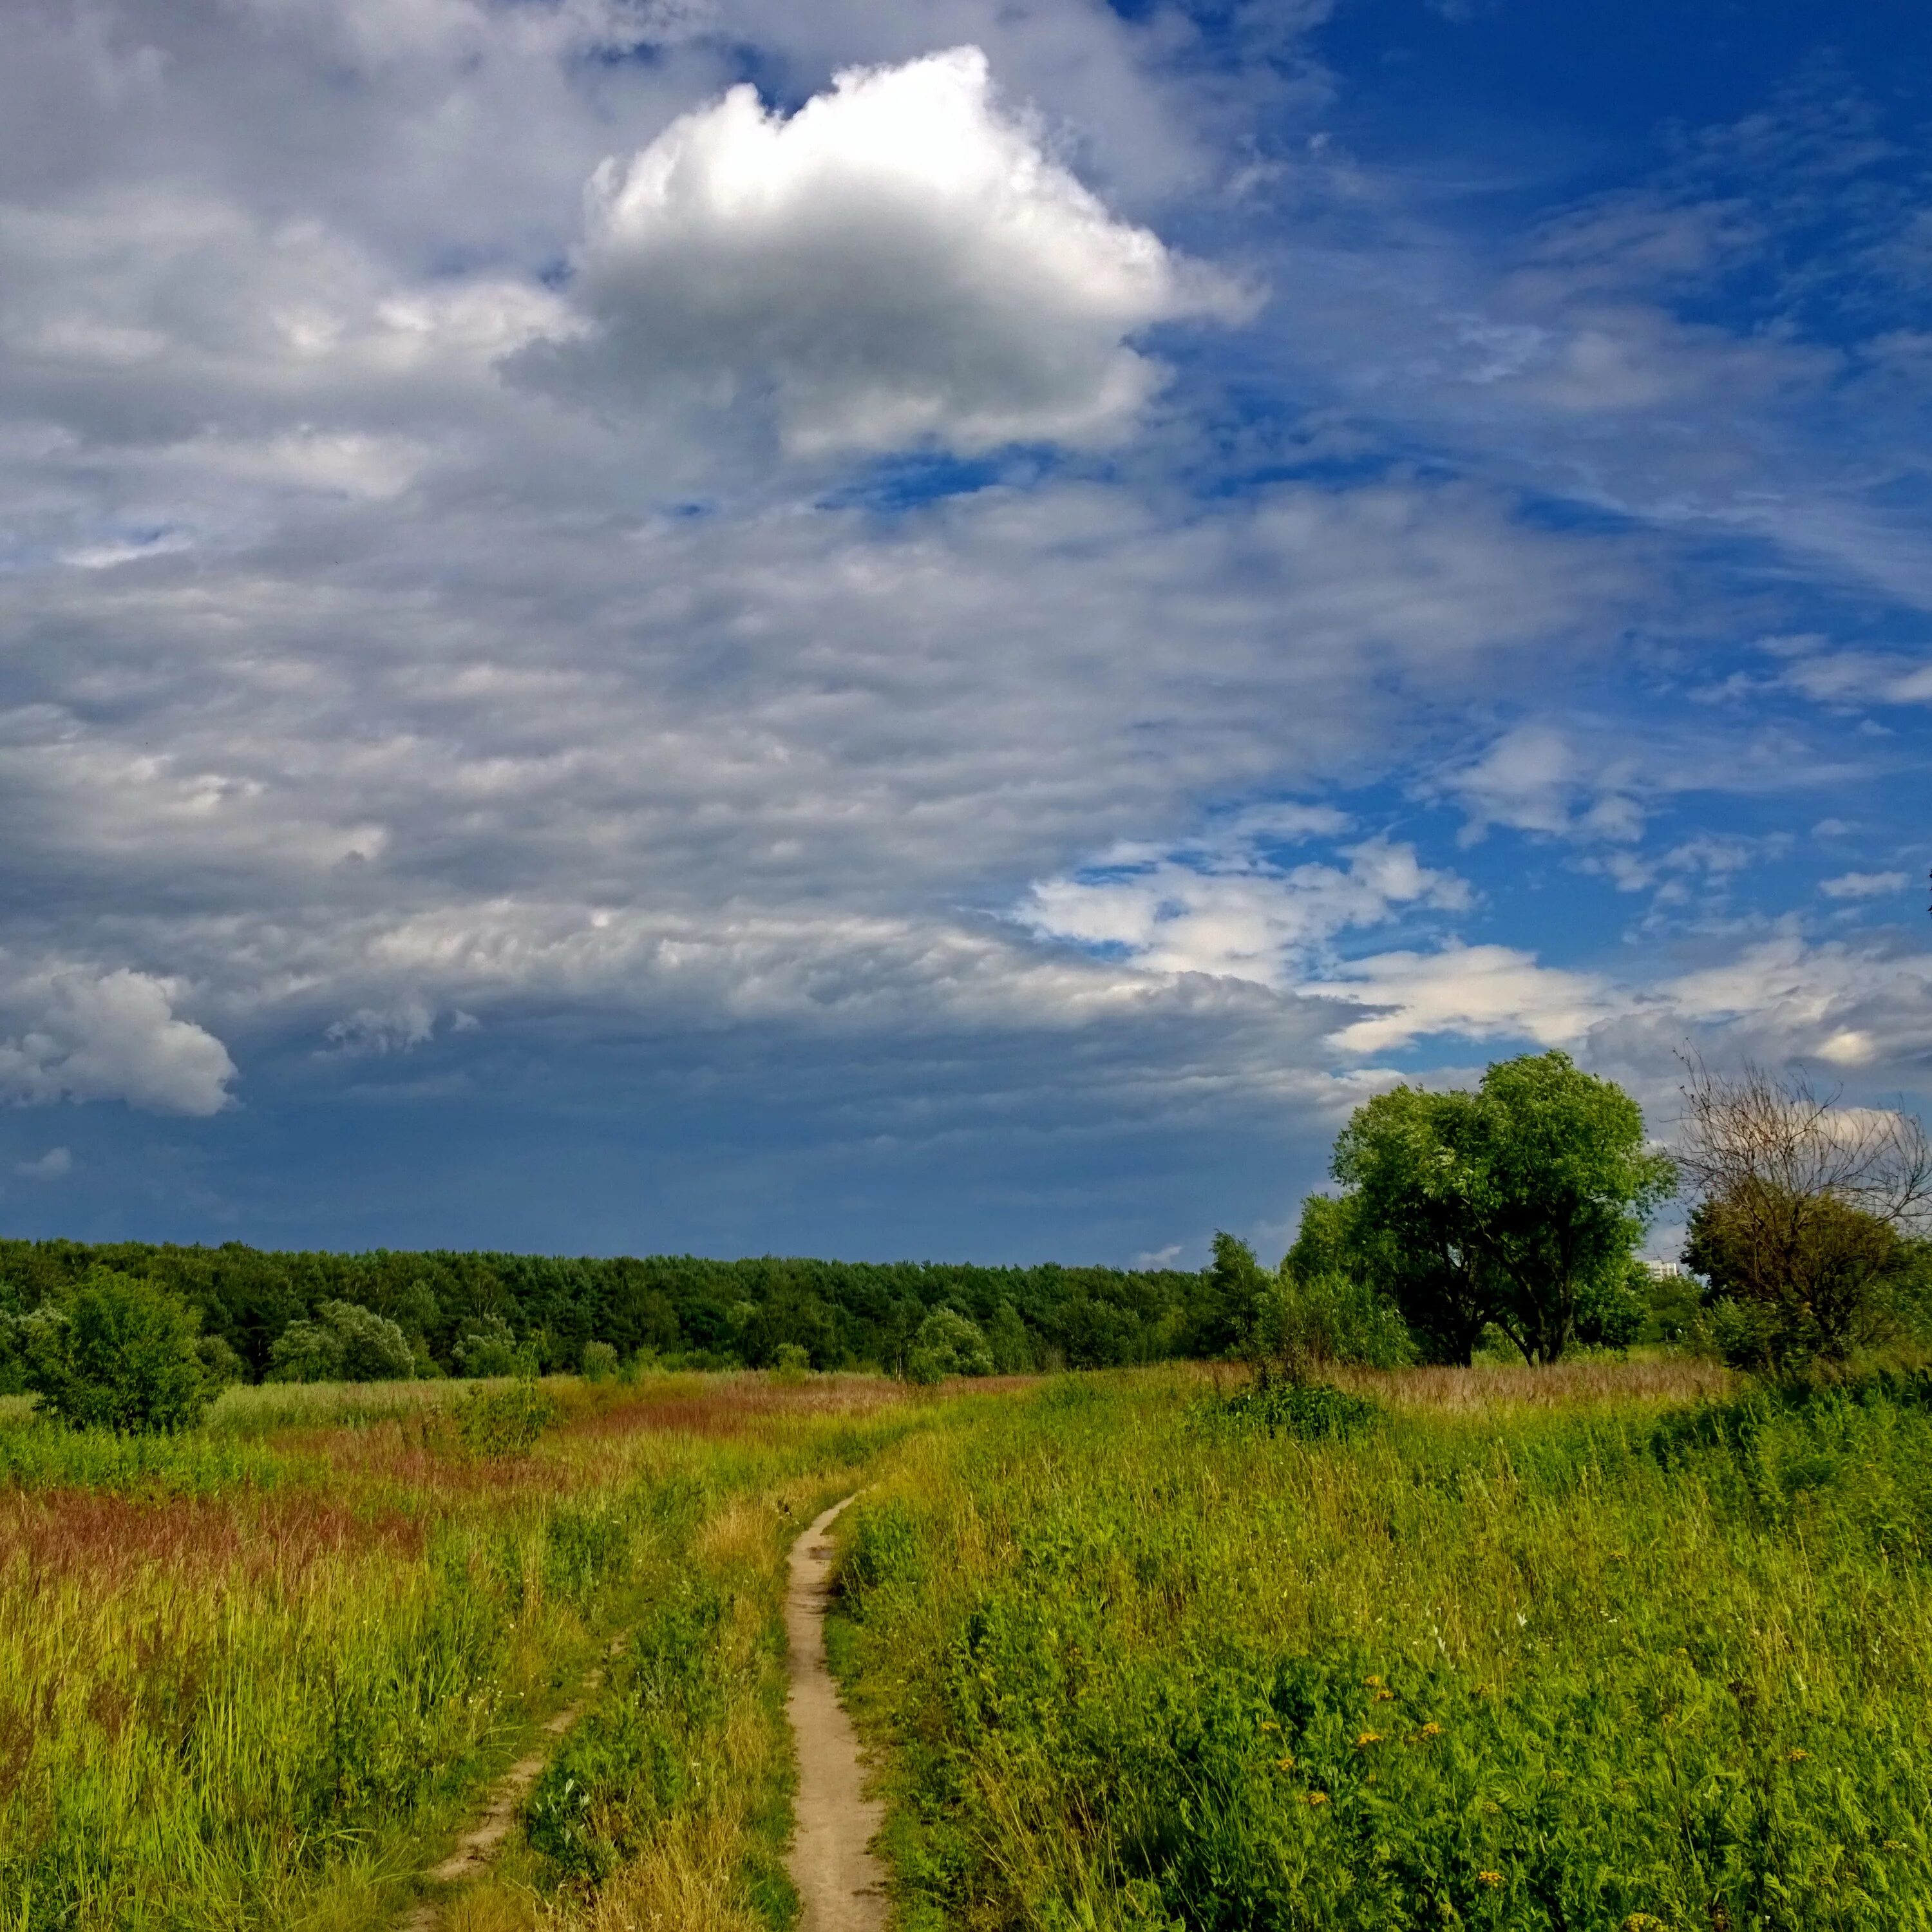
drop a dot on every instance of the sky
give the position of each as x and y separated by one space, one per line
940 629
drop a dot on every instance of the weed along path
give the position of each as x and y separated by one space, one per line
841 1884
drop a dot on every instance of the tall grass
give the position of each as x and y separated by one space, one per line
1618 1662
256 1673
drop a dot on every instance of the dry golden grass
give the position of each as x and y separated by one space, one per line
1591 1381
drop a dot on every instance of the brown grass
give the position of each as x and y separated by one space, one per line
1593 1381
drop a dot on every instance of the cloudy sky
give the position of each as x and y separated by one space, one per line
940 628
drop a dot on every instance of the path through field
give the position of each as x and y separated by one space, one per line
841 1885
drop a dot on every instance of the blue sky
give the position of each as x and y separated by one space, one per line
941 630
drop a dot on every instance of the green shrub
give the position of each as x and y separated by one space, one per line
790 1362
222 1366
600 1361
504 1421
118 1353
948 1343
487 1347
1309 1412
343 1342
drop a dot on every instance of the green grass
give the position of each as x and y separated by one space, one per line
1610 1660
256 1676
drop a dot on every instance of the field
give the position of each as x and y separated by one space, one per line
1592 1648
1617 1646
257 1675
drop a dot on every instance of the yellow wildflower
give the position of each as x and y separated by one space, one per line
1384 1696
1284 1764
1489 1878
1431 1730
1373 1683
1796 1756
1367 1738
1318 1797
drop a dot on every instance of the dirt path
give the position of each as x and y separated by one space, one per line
492 1823
840 1883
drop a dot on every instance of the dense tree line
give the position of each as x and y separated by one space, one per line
457 1309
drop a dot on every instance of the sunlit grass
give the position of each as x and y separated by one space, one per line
253 1674
1520 1654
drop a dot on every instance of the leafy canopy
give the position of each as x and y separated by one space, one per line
1519 1204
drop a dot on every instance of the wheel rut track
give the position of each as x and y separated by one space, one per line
840 1880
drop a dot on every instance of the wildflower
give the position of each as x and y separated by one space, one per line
1489 1878
1267 1726
1367 1738
1384 1696
1373 1683
1318 1797
1796 1756
1284 1764
1641 1921
1431 1731
1893 1845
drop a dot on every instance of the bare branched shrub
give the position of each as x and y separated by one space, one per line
1804 1206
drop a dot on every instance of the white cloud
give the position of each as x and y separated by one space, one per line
902 259
1538 778
1862 885
1222 907
90 1035
55 1165
1854 1006
1475 992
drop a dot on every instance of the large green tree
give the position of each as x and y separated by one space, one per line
116 1352
1519 1204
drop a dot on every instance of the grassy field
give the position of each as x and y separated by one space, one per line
1604 1647
256 1676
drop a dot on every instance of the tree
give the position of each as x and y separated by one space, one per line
488 1347
1805 1210
117 1351
1232 1286
948 1343
1520 1204
343 1342
1406 1218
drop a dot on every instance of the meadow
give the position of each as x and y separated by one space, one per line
1627 1646
257 1674
1601 1646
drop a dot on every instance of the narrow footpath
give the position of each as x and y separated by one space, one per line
841 1884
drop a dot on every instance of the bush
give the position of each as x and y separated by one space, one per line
343 1343
1309 1412
504 1421
1303 1320
600 1361
119 1353
220 1363
948 1343
487 1347
790 1362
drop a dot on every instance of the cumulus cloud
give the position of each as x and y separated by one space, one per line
1475 992
54 1165
1225 907
902 260
1538 778
91 1035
